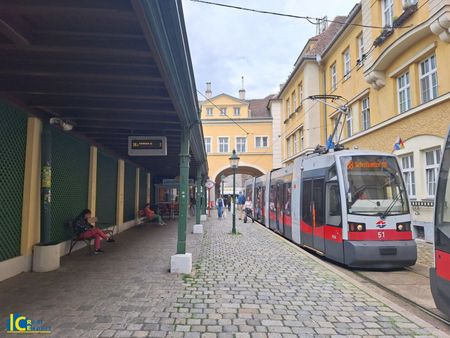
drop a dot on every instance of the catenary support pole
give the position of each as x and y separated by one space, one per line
46 184
234 204
184 190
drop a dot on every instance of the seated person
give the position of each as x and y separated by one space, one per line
151 215
85 230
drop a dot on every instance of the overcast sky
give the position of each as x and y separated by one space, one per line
226 44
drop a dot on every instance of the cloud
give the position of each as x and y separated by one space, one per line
226 44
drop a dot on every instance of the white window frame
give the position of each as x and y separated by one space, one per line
333 73
209 112
288 107
208 143
238 110
365 113
404 90
409 175
288 146
432 170
349 122
295 141
239 144
302 139
223 111
347 63
261 141
387 12
300 94
294 101
360 48
219 144
428 77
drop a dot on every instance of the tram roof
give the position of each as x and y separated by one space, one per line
113 68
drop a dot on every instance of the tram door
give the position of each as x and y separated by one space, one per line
313 214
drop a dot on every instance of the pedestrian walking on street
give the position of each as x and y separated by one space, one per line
240 203
219 205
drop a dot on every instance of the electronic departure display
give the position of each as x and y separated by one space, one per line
147 146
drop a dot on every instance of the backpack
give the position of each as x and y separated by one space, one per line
220 202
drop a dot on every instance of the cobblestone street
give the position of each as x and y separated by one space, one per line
253 284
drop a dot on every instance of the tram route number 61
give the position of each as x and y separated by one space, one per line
381 234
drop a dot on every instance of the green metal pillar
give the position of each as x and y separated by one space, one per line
184 190
205 196
198 197
233 231
46 183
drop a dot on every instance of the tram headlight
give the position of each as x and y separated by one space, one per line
404 226
356 227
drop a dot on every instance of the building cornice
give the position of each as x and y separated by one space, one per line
239 121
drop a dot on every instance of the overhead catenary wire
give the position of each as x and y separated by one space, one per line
310 19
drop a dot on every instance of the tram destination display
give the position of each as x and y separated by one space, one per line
147 146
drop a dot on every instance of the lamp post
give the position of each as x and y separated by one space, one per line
223 183
234 162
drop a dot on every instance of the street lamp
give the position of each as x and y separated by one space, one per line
234 162
223 182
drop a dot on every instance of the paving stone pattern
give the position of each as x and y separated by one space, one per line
257 285
425 254
250 285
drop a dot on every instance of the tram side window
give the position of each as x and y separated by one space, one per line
306 202
287 199
333 205
318 195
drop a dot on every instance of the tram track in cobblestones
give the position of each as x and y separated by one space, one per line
403 298
423 310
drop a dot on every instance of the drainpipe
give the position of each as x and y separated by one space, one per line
46 183
324 75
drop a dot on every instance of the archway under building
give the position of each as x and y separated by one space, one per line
242 174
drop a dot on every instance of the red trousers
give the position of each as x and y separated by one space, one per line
95 233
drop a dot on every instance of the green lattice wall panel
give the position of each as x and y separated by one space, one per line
142 189
13 137
70 179
106 188
130 191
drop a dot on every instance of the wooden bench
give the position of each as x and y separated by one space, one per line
76 237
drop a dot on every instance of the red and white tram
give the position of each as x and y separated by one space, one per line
350 206
440 273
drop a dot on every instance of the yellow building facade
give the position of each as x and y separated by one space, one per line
396 84
231 123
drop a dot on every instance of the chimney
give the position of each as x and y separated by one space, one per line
208 92
242 90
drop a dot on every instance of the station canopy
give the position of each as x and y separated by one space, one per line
112 68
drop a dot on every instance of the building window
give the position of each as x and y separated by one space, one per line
208 144
432 160
404 92
349 122
294 102
347 63
407 162
388 12
289 150
261 141
223 111
300 94
237 111
288 108
223 145
365 113
295 142
302 139
428 79
361 49
333 72
209 111
241 144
